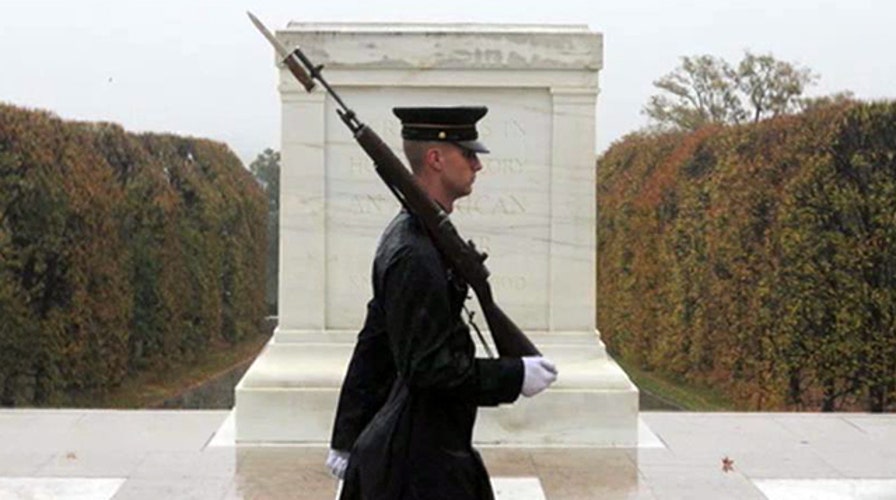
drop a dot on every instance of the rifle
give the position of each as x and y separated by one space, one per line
461 256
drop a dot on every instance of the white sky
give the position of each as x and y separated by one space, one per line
198 67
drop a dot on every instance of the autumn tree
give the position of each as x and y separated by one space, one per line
706 89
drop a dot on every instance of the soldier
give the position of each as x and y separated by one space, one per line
404 424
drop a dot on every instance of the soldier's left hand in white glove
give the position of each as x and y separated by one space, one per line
337 461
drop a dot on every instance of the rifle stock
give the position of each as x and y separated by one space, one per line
461 256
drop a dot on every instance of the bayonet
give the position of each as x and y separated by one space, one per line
290 59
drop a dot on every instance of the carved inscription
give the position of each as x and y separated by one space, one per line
489 204
373 203
515 282
506 129
502 166
505 136
359 167
480 56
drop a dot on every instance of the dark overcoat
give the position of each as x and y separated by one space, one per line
409 399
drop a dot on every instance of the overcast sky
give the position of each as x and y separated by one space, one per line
200 68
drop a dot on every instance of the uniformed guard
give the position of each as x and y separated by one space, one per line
406 411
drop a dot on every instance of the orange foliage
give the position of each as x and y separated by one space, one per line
118 252
758 259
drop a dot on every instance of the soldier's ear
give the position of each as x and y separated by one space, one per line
434 159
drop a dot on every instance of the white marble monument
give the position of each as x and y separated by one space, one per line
532 211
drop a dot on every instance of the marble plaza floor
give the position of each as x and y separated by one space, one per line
103 454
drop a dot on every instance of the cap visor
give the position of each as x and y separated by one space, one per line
473 146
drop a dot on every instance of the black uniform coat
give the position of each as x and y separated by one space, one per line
409 399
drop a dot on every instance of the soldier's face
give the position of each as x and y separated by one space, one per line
459 170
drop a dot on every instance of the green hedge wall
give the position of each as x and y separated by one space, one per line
757 259
119 252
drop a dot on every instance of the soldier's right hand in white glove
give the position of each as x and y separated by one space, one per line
538 374
337 461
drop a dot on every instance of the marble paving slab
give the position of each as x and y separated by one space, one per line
59 488
827 489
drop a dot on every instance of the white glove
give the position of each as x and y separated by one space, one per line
337 462
538 374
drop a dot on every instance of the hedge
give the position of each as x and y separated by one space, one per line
758 259
119 252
